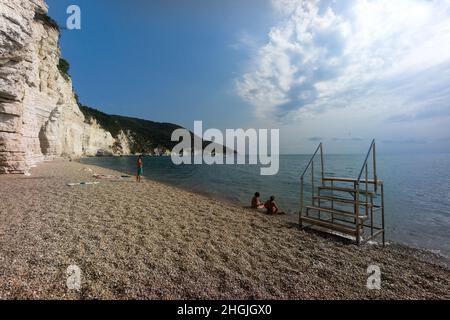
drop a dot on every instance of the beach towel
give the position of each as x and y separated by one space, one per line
110 177
82 184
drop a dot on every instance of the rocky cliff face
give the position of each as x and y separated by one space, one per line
39 115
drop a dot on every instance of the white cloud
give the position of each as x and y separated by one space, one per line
368 58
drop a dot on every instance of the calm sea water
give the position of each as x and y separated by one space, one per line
417 188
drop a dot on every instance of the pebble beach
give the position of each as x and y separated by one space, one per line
155 241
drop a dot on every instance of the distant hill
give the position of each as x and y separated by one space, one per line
144 135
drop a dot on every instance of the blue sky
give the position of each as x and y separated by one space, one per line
338 71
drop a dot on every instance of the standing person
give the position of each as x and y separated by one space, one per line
140 169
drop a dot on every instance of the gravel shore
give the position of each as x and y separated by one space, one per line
153 241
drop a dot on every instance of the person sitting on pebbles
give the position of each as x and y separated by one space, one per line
256 202
271 206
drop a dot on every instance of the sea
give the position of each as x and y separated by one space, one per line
417 188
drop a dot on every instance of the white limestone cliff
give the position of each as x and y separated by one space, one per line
39 115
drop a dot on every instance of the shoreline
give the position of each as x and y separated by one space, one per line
289 217
159 241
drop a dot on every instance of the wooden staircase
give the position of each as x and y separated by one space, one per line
349 207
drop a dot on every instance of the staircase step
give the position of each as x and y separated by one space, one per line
328 225
337 179
336 212
351 190
341 200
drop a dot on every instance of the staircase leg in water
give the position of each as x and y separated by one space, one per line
382 215
357 220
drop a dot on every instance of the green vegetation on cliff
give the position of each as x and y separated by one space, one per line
46 20
145 135
64 67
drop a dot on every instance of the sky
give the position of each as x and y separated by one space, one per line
342 72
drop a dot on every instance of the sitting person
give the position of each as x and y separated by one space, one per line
256 203
271 206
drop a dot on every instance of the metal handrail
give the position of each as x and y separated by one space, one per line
319 148
372 150
302 179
